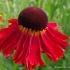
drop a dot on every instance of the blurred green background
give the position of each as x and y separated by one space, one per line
57 10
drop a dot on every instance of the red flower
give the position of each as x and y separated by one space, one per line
30 35
0 18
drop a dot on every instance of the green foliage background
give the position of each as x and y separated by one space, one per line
57 10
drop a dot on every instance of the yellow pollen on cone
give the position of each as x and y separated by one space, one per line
24 29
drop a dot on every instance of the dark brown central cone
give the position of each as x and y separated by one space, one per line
33 18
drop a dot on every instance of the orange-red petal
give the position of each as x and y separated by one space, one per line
1 18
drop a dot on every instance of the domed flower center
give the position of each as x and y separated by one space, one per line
33 18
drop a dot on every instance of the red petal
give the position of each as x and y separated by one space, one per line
52 25
24 51
59 34
47 47
58 37
13 21
10 44
20 43
7 32
58 49
34 56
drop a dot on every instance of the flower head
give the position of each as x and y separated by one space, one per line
0 18
33 18
30 35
